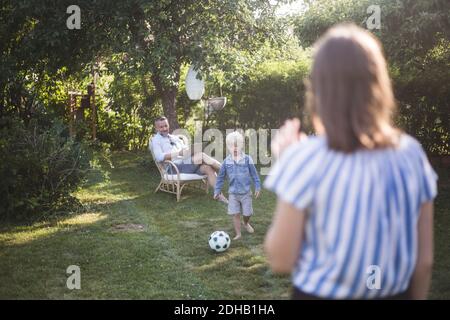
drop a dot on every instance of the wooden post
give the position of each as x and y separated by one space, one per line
69 104
71 113
94 107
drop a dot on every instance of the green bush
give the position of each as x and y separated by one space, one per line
39 168
273 92
415 35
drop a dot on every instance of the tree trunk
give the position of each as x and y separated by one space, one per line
169 101
168 94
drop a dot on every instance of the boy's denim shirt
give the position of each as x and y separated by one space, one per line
240 175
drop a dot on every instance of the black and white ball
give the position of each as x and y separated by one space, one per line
219 241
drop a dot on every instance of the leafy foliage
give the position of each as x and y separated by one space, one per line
273 92
415 35
142 50
165 35
38 168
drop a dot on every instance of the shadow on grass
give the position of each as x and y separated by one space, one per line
170 258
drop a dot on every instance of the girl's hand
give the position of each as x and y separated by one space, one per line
257 194
288 134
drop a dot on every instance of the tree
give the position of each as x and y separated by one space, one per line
415 35
36 47
164 35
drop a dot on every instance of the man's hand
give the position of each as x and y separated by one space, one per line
185 152
172 155
257 194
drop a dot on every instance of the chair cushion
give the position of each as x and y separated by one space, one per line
184 177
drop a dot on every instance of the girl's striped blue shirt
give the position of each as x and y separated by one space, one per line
362 209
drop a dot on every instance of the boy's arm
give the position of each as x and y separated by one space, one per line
220 180
254 174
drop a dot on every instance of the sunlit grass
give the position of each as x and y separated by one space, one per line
168 258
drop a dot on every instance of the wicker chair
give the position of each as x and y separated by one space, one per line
174 183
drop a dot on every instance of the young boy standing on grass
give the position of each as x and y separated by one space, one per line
240 171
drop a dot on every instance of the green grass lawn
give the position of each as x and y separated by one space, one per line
169 258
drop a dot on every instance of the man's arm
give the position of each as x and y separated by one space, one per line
157 150
421 278
173 155
160 155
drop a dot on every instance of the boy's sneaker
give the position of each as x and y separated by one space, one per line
249 228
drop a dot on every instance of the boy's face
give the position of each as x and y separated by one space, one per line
234 149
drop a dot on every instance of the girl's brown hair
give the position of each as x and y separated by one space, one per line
350 92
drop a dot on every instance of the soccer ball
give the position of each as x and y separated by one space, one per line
219 241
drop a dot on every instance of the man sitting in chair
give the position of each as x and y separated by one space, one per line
169 147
